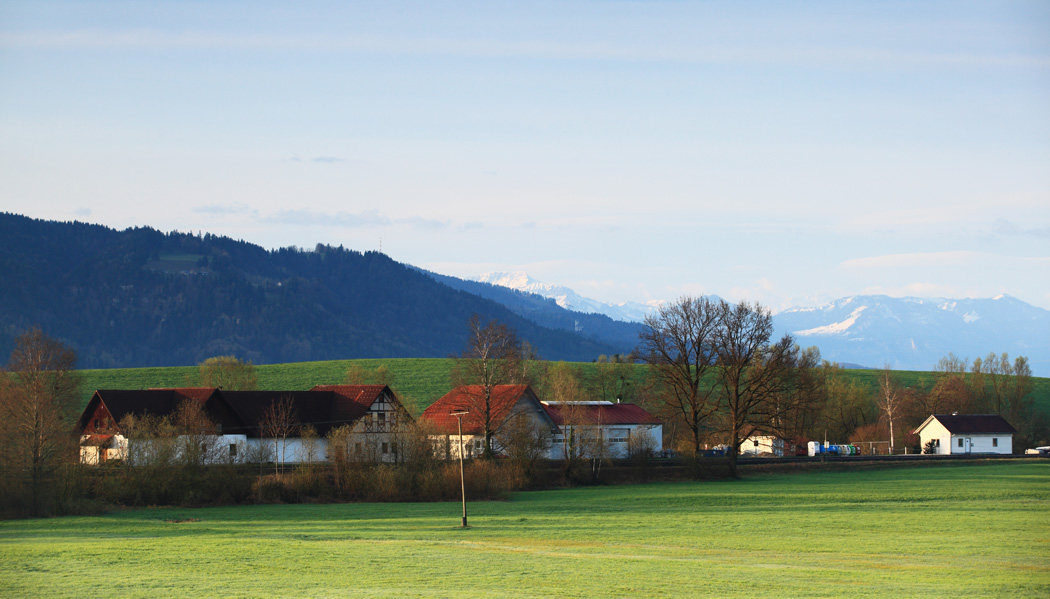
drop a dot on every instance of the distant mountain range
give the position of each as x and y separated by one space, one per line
569 299
874 330
914 333
140 297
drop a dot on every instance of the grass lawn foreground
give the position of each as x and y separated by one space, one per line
979 530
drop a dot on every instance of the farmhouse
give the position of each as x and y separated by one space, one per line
952 434
510 409
603 429
114 424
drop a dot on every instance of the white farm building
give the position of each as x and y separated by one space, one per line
953 434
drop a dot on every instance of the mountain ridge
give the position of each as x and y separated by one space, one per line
907 332
140 297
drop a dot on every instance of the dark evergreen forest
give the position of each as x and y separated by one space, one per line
140 297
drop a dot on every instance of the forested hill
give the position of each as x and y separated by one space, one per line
140 297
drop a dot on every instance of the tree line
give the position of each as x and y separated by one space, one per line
716 372
709 369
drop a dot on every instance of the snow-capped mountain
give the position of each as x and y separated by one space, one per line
914 333
569 299
871 330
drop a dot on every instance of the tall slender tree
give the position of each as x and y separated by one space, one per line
891 400
38 396
492 358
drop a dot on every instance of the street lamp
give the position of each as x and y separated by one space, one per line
462 479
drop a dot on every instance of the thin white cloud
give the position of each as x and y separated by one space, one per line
913 260
773 52
1009 228
423 223
338 219
226 209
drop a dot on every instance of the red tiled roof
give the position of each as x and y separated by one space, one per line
470 399
961 424
612 413
362 395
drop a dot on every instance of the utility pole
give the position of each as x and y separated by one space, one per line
462 479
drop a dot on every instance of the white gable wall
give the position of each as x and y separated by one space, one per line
949 444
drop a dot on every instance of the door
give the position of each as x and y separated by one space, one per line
966 446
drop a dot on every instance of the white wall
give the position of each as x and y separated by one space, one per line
979 443
983 443
617 440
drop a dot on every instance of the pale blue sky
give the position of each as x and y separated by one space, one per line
790 153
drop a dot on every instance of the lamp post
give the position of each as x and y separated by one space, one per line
462 479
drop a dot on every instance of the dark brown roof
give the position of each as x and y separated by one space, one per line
240 412
154 402
601 413
974 423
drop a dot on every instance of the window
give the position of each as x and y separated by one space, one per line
995 442
386 448
381 416
233 450
960 442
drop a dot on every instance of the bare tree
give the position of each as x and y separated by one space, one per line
228 373
492 358
357 374
848 404
197 433
1017 398
37 399
309 447
565 389
278 423
796 408
979 385
678 344
998 370
751 371
524 440
611 380
891 400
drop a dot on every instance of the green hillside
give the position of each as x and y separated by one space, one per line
418 381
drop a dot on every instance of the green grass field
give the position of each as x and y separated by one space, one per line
975 530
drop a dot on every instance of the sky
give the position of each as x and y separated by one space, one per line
789 153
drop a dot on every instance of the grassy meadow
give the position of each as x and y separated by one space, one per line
418 381
946 530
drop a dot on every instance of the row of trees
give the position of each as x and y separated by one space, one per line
715 370
715 367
